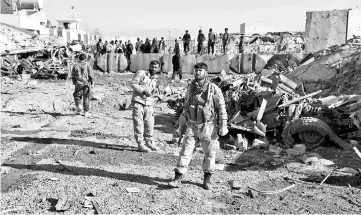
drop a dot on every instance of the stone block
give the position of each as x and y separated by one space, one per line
275 149
260 143
297 150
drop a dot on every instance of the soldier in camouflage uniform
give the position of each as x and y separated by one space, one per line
144 87
206 116
82 78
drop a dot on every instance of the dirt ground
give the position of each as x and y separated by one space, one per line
47 150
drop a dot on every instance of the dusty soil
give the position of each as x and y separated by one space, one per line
46 150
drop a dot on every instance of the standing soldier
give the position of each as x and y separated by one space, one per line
200 40
241 44
162 45
186 41
176 46
177 66
129 49
144 87
147 46
99 47
206 115
138 45
105 47
211 41
155 46
225 40
83 80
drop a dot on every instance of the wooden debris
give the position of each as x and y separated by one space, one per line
299 99
97 208
357 152
132 190
261 109
327 176
53 179
288 82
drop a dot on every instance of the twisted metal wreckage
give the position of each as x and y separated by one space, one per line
274 108
54 62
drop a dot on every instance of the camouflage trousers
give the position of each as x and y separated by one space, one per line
206 135
82 92
143 122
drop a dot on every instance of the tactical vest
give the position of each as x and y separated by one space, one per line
198 110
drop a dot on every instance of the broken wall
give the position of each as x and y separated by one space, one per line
325 28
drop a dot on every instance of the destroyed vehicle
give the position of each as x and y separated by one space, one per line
294 119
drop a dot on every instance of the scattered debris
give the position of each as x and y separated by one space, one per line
53 179
235 185
357 152
97 208
273 192
132 190
63 203
327 176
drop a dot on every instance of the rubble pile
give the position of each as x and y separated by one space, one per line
268 111
336 70
52 62
14 38
261 112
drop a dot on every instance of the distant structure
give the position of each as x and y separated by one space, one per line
328 28
27 14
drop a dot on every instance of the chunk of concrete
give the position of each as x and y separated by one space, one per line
314 154
242 142
354 142
33 82
297 150
275 149
97 96
300 147
260 143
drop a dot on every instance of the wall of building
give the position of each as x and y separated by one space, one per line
354 23
325 28
6 7
10 19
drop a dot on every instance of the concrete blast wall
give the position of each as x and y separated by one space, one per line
325 28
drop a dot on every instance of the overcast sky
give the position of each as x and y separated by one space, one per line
138 17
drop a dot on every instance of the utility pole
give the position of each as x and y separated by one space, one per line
169 35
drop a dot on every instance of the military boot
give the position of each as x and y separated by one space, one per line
177 181
77 105
143 148
152 146
207 181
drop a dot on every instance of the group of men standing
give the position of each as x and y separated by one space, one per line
115 47
155 46
211 41
204 114
225 37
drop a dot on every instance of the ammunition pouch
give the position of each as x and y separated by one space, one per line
202 114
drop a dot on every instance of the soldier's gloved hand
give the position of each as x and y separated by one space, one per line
146 93
223 130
